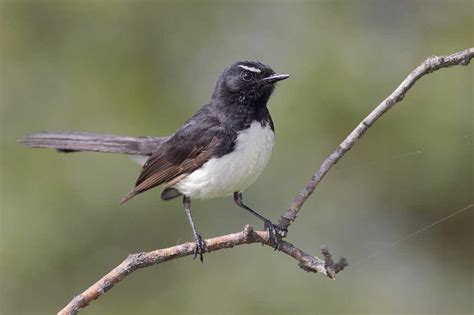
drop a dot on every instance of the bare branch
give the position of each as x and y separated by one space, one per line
429 65
73 141
247 236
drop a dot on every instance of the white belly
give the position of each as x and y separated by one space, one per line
234 171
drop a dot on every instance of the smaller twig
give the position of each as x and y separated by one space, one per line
431 64
144 259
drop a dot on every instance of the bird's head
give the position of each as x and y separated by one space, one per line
247 82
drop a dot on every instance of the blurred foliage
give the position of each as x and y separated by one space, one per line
143 67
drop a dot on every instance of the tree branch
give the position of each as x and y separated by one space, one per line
247 236
66 141
431 64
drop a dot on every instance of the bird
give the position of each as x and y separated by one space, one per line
220 151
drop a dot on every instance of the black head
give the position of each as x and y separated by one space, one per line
247 82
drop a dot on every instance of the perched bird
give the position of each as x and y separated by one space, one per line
221 150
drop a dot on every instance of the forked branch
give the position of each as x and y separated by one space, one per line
128 145
247 236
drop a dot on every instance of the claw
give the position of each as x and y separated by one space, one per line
201 247
274 233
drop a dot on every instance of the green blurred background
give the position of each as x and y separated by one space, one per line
143 67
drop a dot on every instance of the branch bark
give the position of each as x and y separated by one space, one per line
248 236
66 141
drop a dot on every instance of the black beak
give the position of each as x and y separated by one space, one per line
275 78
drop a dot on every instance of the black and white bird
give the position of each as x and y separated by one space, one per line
221 150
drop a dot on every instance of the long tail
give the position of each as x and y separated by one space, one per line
73 141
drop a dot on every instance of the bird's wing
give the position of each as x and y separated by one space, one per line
184 152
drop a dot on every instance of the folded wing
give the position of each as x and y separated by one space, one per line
184 152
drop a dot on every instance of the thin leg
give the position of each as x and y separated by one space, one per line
201 247
274 233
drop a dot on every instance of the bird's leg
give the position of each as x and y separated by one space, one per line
201 247
274 233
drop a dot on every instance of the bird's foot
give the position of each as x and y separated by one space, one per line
201 247
274 233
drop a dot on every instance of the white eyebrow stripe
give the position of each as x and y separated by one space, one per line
251 69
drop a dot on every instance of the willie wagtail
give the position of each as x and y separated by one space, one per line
221 149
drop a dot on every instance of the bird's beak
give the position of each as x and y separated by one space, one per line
275 78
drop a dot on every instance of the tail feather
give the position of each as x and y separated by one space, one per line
67 141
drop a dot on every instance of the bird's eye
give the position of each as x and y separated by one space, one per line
246 76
